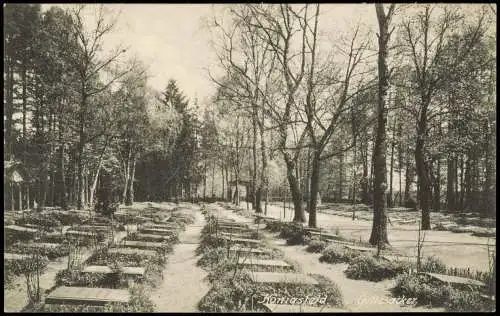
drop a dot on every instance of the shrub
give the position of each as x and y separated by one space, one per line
464 301
300 237
13 236
44 221
51 253
68 218
338 254
26 265
212 256
423 288
433 265
316 246
373 269
288 230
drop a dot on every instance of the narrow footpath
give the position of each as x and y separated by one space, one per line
184 283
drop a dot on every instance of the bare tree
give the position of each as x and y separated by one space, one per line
379 229
89 66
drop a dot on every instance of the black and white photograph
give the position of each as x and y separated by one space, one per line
249 157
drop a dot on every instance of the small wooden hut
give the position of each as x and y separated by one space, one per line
17 183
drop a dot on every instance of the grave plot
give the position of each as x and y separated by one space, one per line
300 308
161 247
149 237
159 231
15 233
455 281
87 296
244 241
240 235
50 250
264 265
169 226
325 236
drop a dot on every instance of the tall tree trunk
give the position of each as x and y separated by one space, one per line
379 229
450 183
340 188
437 188
423 176
205 181
314 189
24 96
293 182
391 171
364 179
354 169
462 182
222 182
9 108
213 180
487 207
81 146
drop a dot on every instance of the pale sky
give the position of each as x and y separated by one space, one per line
171 40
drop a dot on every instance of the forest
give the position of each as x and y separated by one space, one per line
404 115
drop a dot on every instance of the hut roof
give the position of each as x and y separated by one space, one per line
14 171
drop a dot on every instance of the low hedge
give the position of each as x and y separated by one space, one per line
338 254
374 269
100 280
103 257
43 221
237 293
51 253
316 246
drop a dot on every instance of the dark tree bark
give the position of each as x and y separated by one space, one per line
379 229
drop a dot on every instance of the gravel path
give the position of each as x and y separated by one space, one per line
183 282
358 295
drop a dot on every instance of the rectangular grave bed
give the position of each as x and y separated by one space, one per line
302 308
14 256
132 271
237 235
454 280
327 236
145 244
80 233
241 240
140 236
133 251
244 250
158 231
261 262
87 296
362 249
21 229
279 277
161 226
400 258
